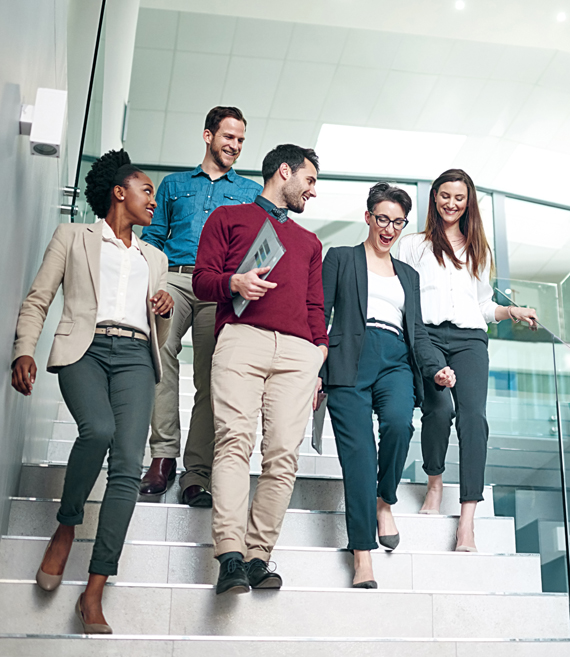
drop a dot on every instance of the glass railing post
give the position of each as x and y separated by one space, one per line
562 465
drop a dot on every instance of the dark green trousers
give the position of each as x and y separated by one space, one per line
110 394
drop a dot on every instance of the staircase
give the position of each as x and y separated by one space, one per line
431 601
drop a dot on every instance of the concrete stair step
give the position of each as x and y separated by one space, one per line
301 528
178 563
239 646
196 610
46 481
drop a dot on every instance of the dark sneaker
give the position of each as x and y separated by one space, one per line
260 577
232 577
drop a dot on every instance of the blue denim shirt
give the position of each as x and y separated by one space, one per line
184 201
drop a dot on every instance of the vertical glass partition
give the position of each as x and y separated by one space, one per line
556 536
91 146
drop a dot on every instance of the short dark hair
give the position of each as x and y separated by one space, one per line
112 168
290 154
382 191
217 114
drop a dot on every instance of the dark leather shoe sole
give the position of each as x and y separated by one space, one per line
270 582
235 588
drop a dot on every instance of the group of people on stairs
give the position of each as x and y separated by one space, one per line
129 301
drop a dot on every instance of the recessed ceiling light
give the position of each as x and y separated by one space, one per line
460 4
561 17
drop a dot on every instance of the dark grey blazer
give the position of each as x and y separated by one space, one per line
345 284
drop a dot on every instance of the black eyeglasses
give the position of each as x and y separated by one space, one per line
382 221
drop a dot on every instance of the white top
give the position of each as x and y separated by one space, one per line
123 283
386 299
449 294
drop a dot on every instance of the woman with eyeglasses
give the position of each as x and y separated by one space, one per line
454 262
379 350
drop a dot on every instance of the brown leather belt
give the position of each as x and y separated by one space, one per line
118 332
182 269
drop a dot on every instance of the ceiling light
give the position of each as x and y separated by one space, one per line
460 5
376 151
561 17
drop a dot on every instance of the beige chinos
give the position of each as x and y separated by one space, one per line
189 312
255 369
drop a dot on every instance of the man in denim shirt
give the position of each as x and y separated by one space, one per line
184 203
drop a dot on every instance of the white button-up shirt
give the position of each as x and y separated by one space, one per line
123 283
449 294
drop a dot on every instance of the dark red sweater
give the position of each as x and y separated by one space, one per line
295 306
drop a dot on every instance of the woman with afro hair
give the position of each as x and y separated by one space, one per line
106 355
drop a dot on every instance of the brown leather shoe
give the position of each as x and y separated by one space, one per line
159 477
196 496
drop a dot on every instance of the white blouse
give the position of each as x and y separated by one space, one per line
386 299
449 294
123 283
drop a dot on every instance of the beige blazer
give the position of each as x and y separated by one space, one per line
73 258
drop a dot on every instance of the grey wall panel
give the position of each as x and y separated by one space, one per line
32 55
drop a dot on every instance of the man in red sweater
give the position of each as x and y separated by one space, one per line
267 359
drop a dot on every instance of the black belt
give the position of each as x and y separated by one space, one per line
182 269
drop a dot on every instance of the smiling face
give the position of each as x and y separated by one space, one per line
382 239
138 199
225 146
451 201
300 187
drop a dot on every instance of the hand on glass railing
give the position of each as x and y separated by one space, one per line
445 377
524 314
517 314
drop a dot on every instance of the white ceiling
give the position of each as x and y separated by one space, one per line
512 103
424 68
527 23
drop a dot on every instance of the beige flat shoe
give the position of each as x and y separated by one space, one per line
91 628
45 581
429 512
464 548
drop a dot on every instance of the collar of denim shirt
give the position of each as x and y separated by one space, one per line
231 175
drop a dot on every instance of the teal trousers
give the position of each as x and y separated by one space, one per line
385 386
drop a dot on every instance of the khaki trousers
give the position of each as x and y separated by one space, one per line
254 369
189 311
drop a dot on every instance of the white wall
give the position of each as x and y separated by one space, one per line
82 24
121 27
32 54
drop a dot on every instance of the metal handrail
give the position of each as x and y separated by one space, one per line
351 177
551 333
560 441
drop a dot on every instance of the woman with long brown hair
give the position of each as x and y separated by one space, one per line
454 261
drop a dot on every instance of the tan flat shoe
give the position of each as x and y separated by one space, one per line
45 581
91 628
429 512
464 548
